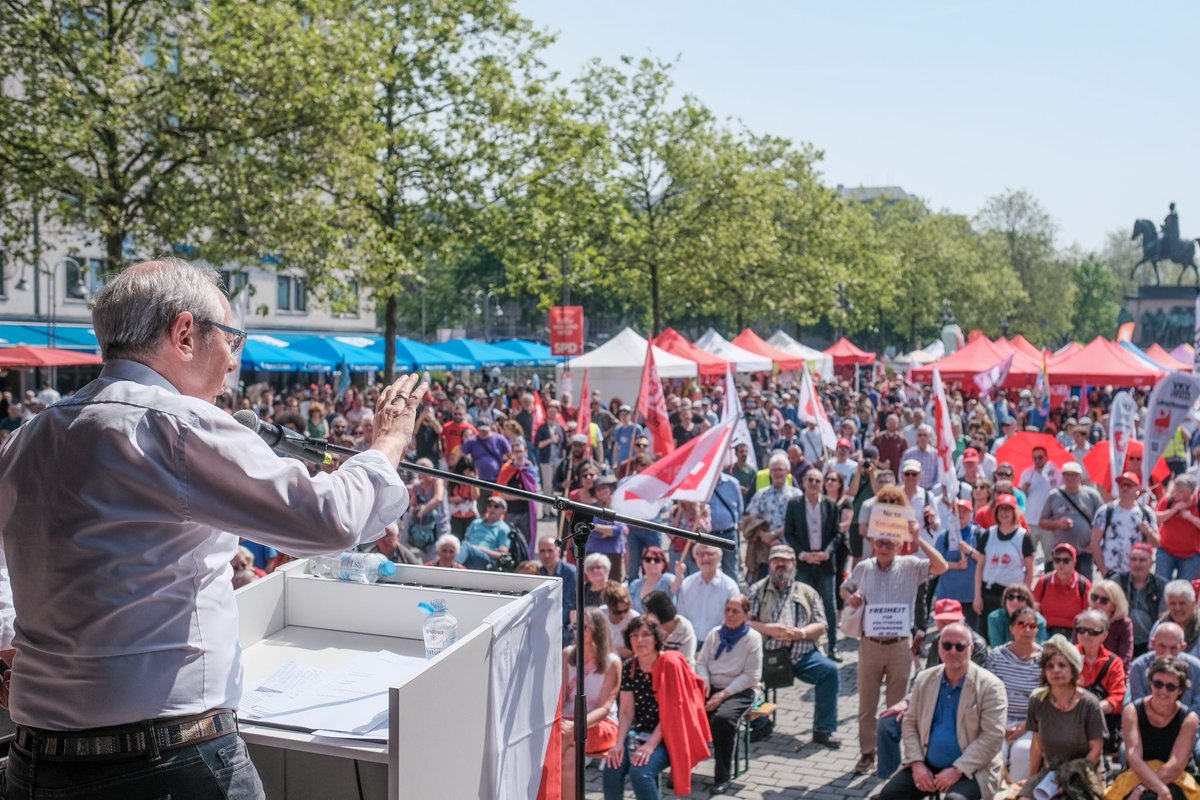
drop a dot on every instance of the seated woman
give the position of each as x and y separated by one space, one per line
601 680
1015 597
1159 733
730 665
1064 718
446 549
620 613
654 577
681 635
1018 665
1103 672
595 575
653 679
1109 599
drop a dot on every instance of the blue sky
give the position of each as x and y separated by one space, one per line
1090 106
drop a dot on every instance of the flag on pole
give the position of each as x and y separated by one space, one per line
1043 389
539 411
731 411
810 406
584 425
1083 401
652 407
689 473
1125 332
240 302
994 376
945 437
1120 431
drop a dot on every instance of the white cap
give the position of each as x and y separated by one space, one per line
910 465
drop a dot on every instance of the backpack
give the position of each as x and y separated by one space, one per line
1111 508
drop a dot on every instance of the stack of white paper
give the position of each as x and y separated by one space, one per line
350 701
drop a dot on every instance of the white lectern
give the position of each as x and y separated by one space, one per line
473 722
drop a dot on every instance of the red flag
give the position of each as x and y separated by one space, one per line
652 407
945 435
539 411
584 425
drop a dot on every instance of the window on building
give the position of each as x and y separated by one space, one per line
234 281
290 294
83 277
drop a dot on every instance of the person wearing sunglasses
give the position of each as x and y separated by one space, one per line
1063 593
486 539
1103 673
1166 641
1005 556
953 729
1018 665
654 576
123 499
1065 719
1160 735
1015 596
1108 598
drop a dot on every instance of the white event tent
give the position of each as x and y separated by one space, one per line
615 367
743 360
818 362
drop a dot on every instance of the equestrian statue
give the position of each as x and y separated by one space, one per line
1168 247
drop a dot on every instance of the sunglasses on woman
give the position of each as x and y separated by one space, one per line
652 560
1099 598
1080 631
1170 687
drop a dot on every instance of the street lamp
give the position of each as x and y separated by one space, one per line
1004 327
488 304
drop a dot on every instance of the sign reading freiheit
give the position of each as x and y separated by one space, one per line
566 331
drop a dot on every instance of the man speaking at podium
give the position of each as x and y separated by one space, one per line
120 509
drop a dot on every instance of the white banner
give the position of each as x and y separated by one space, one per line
810 406
1122 417
1170 403
945 437
732 410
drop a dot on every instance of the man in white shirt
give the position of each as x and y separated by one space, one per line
1037 482
120 510
701 596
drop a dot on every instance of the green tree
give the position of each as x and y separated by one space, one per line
129 121
1096 292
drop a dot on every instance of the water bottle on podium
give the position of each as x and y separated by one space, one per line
440 628
354 567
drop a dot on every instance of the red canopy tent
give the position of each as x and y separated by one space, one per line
709 364
1100 363
1070 349
980 355
1022 345
25 357
1160 355
749 340
845 354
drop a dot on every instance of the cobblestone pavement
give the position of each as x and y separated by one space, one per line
787 764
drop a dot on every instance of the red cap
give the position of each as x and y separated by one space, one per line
1144 547
1069 548
1130 477
947 611
964 505
1006 500
843 443
970 456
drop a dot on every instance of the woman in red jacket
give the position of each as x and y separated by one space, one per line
1103 672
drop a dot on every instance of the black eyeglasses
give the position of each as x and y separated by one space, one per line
1020 597
1063 559
652 560
1095 598
1082 631
236 338
1004 474
912 474
1170 687
641 444
959 646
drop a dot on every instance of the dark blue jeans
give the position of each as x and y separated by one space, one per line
729 558
643 779
822 673
219 769
819 577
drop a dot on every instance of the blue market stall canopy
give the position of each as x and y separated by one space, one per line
350 351
482 354
424 357
64 337
264 353
534 354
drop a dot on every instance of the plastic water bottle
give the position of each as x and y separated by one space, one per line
440 628
355 567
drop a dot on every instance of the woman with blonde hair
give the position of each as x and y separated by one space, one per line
1109 599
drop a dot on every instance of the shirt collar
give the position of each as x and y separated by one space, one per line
120 369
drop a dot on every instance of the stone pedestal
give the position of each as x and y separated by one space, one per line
1164 314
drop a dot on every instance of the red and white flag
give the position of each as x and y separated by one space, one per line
731 411
811 408
994 376
689 473
945 436
539 411
652 407
584 424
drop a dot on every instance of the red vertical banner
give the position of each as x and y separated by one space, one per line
584 421
652 407
566 331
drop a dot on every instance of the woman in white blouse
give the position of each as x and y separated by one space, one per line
730 664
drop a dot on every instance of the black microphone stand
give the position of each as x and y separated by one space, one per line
583 521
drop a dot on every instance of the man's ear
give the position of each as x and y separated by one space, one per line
184 335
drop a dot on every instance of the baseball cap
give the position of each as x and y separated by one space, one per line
965 505
606 480
947 610
1130 477
1068 548
499 501
782 551
1006 500
1072 468
579 438
843 443
911 465
970 456
624 407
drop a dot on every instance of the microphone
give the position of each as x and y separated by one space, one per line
285 440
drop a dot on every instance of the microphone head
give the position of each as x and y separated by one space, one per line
248 418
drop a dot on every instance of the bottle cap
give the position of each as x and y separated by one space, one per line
387 568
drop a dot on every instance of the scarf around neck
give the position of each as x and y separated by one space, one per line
730 637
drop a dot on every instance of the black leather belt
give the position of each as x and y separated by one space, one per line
126 740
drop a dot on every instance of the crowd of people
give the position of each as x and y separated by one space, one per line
1054 622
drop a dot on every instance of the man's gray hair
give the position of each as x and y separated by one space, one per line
1179 588
447 539
779 460
923 428
135 310
1186 481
